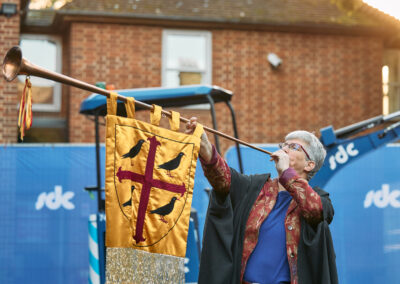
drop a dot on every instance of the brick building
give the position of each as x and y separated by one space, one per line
331 71
9 36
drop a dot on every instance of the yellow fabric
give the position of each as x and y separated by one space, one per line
130 180
112 103
29 107
199 130
155 115
174 121
25 118
130 108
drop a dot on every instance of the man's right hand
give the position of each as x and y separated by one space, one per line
205 144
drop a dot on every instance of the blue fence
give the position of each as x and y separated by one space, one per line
44 214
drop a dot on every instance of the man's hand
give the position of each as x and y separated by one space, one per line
281 159
205 145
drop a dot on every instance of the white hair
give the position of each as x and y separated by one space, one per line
313 146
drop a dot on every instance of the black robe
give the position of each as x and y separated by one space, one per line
224 228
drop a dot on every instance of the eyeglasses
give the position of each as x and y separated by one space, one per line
294 146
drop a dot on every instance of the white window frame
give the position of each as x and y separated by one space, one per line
207 78
56 105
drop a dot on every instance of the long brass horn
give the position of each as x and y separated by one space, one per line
14 64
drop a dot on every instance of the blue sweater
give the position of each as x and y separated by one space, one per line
268 263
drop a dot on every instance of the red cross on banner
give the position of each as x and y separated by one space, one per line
148 182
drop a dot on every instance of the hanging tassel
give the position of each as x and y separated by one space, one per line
25 109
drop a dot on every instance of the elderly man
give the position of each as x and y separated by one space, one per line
263 230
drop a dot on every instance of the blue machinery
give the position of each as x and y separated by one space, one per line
342 150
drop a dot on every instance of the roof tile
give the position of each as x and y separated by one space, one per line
249 11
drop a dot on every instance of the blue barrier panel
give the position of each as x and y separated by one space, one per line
200 197
366 198
366 227
192 259
254 162
44 213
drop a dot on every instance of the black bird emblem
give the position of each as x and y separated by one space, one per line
129 202
165 210
172 165
134 150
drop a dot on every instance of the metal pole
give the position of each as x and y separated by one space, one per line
99 198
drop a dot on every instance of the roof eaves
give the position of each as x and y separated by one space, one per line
40 18
143 16
215 20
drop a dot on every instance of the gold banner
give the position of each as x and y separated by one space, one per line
149 182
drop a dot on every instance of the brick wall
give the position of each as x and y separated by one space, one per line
9 36
323 80
126 56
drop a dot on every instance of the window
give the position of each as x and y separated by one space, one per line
385 89
44 51
186 58
391 81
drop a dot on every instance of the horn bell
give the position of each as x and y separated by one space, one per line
12 63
